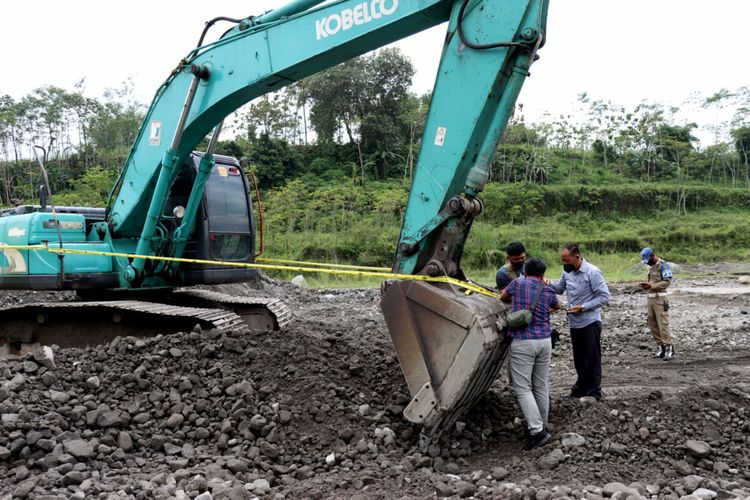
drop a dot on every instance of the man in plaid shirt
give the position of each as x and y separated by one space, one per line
531 350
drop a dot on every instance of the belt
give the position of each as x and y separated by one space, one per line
654 295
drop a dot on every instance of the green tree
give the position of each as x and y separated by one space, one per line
640 134
273 161
520 133
114 125
8 142
92 189
674 142
271 114
363 98
414 116
609 120
742 146
718 101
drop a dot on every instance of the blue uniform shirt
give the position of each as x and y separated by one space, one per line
586 287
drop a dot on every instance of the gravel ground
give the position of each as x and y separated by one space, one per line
315 412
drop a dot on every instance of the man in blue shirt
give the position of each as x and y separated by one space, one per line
515 254
531 349
587 293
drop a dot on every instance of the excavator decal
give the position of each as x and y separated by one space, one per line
360 14
440 136
15 260
155 135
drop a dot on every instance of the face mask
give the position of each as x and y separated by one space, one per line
569 268
517 266
651 261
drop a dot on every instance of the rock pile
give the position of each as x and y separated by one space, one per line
315 412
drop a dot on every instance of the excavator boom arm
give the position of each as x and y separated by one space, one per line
450 346
246 64
489 49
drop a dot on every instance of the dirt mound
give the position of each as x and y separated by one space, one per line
315 411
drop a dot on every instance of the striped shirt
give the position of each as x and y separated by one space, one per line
523 291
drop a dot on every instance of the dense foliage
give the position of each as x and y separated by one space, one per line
335 156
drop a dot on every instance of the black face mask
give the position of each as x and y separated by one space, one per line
517 266
569 268
651 261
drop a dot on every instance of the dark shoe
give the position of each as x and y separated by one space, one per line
596 395
537 440
659 352
668 353
526 434
569 397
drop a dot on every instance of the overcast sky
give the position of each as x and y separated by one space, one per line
620 50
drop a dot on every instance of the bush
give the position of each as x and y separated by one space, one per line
356 225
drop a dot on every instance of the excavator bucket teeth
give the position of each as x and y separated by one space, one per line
450 346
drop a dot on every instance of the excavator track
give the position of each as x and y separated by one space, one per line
24 328
258 313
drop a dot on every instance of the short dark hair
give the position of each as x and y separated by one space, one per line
515 248
573 248
535 267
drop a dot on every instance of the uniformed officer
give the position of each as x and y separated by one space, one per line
659 278
515 254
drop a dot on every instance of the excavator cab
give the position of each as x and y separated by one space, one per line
224 228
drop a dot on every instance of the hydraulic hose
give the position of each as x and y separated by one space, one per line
475 46
211 23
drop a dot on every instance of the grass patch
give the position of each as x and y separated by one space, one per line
612 244
362 228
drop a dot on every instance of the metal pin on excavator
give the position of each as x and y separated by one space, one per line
172 202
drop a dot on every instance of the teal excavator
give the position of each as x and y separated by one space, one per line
171 202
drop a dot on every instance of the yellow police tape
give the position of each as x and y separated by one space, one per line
362 271
320 264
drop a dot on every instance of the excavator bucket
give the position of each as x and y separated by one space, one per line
450 345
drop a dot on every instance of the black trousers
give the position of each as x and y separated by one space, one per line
587 357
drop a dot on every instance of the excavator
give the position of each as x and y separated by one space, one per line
173 212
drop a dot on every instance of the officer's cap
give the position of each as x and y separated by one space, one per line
646 254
